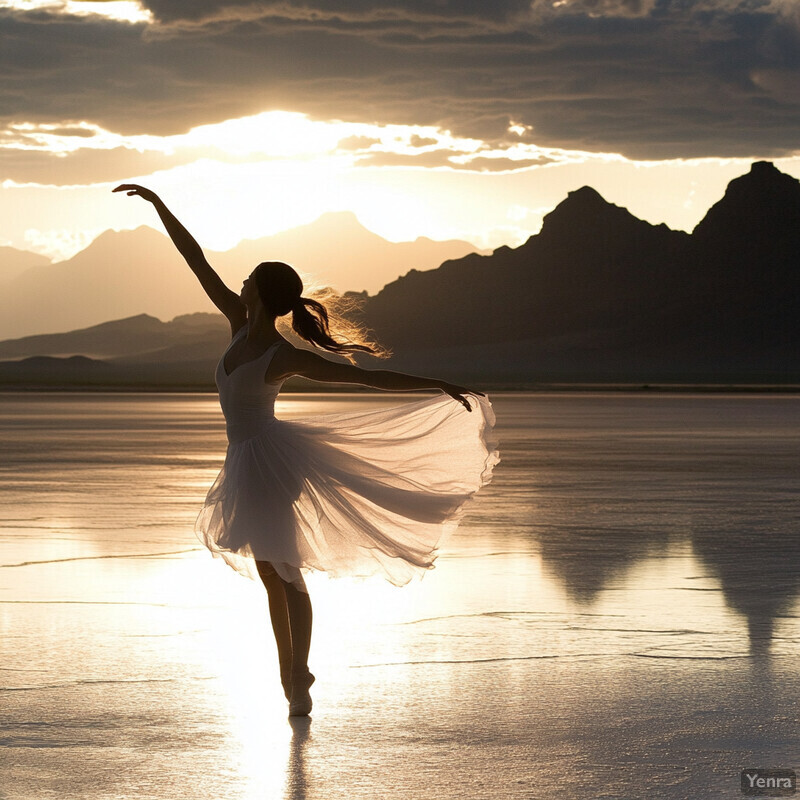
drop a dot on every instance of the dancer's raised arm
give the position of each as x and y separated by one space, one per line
221 296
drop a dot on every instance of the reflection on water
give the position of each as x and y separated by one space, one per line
296 781
622 597
611 481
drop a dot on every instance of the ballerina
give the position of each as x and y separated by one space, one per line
352 494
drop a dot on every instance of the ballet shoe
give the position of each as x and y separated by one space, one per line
300 700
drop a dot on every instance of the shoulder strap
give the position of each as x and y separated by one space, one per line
274 348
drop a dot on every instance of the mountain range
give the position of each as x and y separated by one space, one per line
597 296
601 295
126 273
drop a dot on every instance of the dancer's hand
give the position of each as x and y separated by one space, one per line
134 190
459 393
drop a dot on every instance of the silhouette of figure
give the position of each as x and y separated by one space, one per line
351 494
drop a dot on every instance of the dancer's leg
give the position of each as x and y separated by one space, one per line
279 616
300 619
300 623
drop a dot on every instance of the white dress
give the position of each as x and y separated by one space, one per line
356 494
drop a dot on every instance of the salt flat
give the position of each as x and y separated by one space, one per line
617 617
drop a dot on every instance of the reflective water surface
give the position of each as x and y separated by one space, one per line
617 617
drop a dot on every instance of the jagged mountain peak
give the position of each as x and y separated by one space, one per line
764 168
585 212
764 196
587 195
763 176
584 206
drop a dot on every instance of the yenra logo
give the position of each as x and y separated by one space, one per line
768 782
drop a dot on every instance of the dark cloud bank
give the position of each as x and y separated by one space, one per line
647 78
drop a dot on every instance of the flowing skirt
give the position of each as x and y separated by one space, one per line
354 494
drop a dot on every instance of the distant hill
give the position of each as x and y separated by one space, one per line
597 296
338 251
119 274
127 273
14 262
139 337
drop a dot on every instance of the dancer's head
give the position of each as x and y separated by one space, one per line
279 289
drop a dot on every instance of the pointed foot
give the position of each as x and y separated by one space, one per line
300 700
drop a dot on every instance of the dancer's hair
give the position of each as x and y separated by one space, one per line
316 319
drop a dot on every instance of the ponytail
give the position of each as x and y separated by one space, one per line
281 288
311 321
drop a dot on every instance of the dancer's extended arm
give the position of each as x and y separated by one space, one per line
221 296
310 365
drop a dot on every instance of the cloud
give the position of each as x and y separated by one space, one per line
378 12
651 79
82 153
85 166
500 164
357 142
429 159
484 161
422 141
59 244
605 8
780 84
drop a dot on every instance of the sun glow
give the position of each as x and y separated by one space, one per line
287 135
281 169
118 10
255 176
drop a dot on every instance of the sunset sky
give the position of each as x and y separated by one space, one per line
445 118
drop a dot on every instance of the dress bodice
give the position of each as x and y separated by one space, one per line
248 402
